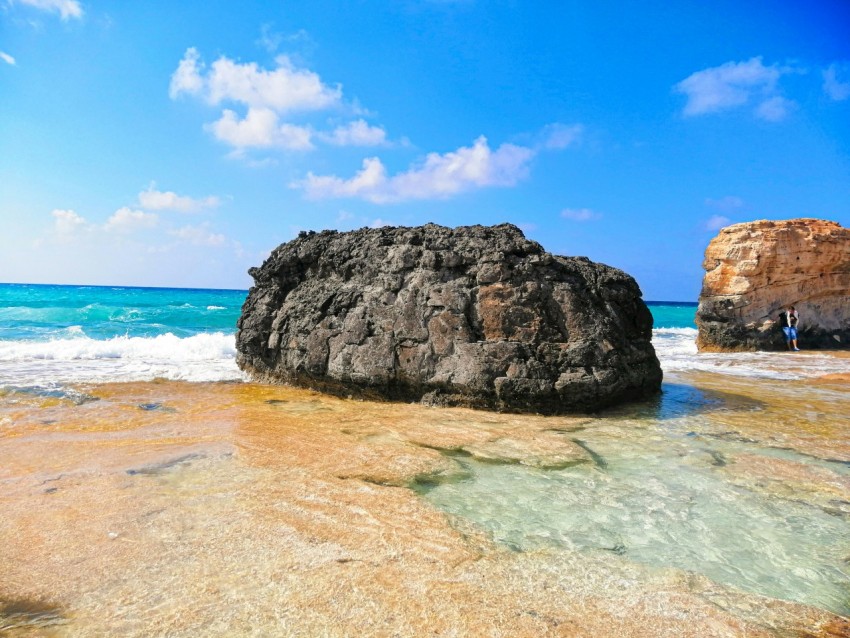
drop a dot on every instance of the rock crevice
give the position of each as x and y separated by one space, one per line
475 316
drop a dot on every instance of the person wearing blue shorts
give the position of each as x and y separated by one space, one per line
788 319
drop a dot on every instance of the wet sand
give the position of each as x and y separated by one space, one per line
180 509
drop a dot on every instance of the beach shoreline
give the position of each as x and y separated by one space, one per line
237 508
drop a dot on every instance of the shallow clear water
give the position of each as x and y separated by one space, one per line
666 488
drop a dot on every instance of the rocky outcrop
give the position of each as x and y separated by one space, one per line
475 316
753 270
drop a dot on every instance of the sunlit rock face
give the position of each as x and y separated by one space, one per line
474 316
754 269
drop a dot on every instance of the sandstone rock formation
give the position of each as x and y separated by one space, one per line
754 269
476 316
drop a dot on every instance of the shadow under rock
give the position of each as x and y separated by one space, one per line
25 615
677 400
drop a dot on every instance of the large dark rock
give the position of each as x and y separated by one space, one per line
476 316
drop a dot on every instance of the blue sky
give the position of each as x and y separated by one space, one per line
175 144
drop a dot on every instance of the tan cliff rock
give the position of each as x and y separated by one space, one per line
754 269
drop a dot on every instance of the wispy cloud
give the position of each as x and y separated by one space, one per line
716 222
126 220
774 109
65 8
735 84
152 199
580 214
438 177
199 235
144 226
357 133
727 203
269 40
67 222
8 59
832 86
559 136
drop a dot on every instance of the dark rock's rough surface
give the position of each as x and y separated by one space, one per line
754 269
475 316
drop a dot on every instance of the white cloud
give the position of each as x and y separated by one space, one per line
187 78
260 129
269 40
198 235
735 84
730 202
357 133
65 8
716 222
265 95
439 176
126 220
253 163
67 222
580 214
380 223
774 109
557 136
283 89
835 89
152 199
8 59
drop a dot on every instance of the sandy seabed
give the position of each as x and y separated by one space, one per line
189 509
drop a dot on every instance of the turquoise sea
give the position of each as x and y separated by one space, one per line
35 313
51 335
57 334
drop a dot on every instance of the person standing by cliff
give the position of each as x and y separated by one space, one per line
788 319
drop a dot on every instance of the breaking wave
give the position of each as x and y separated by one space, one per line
201 357
676 349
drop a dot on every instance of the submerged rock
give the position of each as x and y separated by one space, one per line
474 316
755 269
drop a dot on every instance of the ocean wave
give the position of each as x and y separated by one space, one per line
74 357
677 351
202 357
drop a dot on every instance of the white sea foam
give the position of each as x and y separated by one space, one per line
676 349
212 357
216 308
202 357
